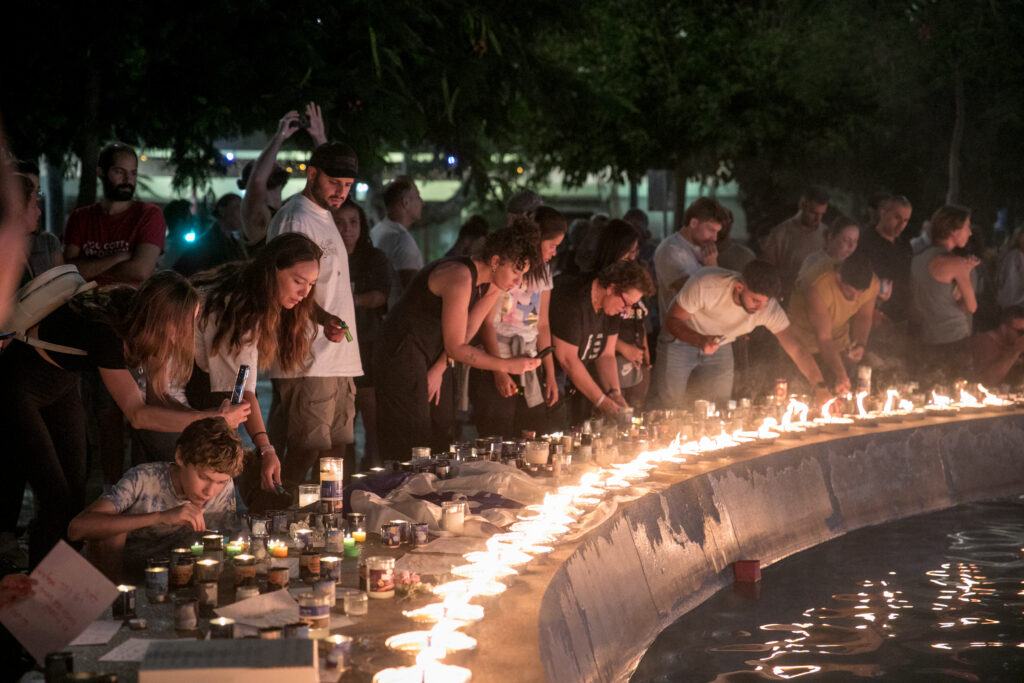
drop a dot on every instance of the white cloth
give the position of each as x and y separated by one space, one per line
333 289
675 257
223 365
708 298
403 253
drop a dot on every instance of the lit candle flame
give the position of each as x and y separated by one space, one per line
860 404
826 410
890 399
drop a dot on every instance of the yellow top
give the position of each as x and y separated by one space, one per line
839 307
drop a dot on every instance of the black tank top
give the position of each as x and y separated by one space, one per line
416 318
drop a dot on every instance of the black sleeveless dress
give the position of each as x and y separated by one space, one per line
410 341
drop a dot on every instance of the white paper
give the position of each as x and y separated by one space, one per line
131 650
269 609
97 633
68 596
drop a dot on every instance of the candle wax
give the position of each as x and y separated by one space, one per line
197 548
359 536
280 551
350 547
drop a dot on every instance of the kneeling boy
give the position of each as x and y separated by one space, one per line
159 505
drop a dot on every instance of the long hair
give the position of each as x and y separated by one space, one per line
155 322
614 240
364 245
243 298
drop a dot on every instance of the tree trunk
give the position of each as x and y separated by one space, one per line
953 190
89 144
682 174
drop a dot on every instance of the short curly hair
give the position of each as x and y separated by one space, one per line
626 275
211 442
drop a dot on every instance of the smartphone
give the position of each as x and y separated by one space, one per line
545 352
243 375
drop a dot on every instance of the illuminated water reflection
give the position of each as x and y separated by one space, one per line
939 597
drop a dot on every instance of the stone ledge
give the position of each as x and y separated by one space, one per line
590 612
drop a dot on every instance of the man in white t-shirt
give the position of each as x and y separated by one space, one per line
404 206
312 412
714 308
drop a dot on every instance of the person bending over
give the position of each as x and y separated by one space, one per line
714 308
255 313
436 317
995 353
585 315
159 505
832 316
115 330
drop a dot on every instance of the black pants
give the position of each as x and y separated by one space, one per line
404 416
497 415
44 422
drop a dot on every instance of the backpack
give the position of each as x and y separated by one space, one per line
40 297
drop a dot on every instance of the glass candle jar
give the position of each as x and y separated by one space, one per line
453 516
157 583
207 570
245 569
308 494
314 610
331 476
380 576
356 603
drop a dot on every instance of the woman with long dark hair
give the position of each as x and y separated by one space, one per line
436 317
371 281
255 313
114 329
518 325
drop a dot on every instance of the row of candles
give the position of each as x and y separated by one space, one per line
541 526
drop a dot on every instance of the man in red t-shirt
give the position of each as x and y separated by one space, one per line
117 239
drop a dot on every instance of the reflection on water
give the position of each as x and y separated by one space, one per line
938 597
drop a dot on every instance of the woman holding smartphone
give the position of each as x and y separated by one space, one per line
433 321
255 313
505 404
116 330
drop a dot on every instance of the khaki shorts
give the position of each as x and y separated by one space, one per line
312 413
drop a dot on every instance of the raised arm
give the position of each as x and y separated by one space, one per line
255 214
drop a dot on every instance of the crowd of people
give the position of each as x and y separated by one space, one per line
524 328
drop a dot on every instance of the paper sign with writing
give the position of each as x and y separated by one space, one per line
68 596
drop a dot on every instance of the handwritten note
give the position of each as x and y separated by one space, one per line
68 596
97 633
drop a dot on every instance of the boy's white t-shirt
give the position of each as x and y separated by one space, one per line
708 298
148 488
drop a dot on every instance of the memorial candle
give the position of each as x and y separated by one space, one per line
278 549
350 546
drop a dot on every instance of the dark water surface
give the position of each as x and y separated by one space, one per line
939 597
